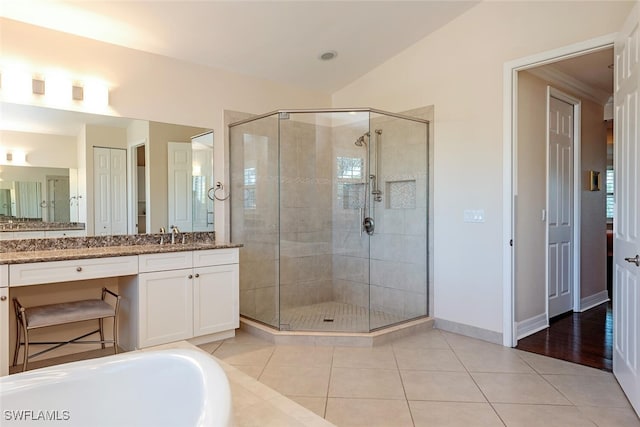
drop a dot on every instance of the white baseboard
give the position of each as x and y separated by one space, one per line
531 325
591 301
469 331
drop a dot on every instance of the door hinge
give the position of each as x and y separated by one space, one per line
511 242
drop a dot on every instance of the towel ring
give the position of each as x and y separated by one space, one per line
212 192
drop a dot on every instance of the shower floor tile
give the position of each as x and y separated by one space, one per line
335 317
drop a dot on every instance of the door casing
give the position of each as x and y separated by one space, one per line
510 151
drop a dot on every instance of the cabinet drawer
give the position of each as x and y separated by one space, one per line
215 257
165 261
65 271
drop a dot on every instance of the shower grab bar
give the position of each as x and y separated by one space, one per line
375 191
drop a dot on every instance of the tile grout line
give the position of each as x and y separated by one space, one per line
326 399
476 384
404 390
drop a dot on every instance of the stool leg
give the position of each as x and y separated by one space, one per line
115 334
101 324
25 357
17 349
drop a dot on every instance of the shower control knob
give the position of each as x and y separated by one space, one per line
369 225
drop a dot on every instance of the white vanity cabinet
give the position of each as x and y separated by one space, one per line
184 295
4 319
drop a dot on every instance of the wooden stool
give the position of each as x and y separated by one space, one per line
60 314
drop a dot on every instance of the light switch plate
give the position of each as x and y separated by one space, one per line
474 215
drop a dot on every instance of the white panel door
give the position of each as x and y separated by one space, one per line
118 191
560 209
626 245
102 190
180 191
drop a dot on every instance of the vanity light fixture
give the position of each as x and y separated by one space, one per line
56 87
16 157
37 86
77 93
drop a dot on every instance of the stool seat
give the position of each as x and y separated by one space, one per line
67 312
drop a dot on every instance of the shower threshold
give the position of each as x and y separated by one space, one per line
330 338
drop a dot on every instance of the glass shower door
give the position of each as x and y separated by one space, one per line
398 205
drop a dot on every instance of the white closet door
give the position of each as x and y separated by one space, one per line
118 191
102 190
180 191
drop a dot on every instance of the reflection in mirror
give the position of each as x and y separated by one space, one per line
202 177
22 197
38 138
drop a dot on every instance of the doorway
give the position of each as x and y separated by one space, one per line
139 189
562 283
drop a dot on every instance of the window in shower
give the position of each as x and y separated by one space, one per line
350 167
250 188
349 186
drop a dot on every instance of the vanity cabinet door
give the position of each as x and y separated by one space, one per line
166 306
215 296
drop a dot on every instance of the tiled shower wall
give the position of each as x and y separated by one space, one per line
350 244
305 217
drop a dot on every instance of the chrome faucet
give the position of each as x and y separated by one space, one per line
174 232
162 233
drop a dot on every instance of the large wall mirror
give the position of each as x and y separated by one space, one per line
106 175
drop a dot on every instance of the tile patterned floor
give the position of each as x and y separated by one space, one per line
432 378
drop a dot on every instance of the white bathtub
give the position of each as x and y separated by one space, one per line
178 387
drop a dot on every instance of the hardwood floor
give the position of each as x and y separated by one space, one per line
584 338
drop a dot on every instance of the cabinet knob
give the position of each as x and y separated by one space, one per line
3 298
191 276
197 275
78 269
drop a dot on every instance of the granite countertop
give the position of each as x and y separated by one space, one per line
23 257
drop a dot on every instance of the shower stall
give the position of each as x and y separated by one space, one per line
331 207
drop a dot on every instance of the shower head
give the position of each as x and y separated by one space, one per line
360 142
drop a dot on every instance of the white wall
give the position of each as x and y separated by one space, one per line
459 69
